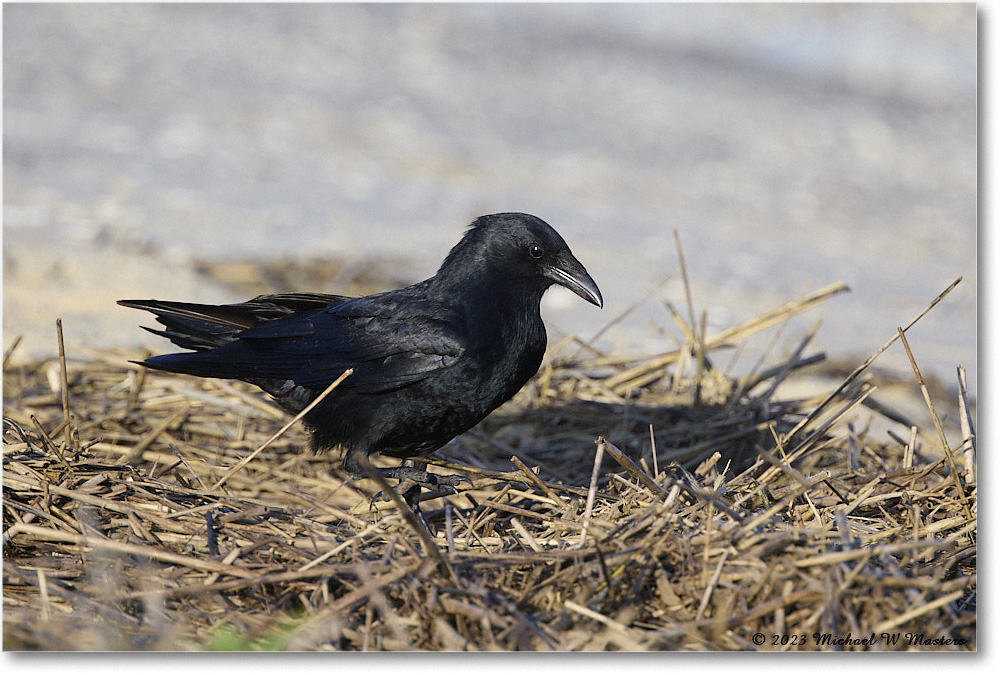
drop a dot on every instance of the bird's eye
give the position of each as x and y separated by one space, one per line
535 250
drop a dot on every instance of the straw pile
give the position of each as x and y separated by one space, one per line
619 503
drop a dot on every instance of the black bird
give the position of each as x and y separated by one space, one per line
430 360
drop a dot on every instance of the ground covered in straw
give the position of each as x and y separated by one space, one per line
618 503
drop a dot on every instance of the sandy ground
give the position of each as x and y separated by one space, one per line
789 147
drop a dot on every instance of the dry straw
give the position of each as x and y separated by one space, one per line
153 511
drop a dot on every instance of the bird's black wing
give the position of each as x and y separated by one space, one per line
390 340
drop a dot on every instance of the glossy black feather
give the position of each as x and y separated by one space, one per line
430 360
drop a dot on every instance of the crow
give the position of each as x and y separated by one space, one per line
429 360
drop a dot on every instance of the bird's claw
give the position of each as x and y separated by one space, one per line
452 481
380 496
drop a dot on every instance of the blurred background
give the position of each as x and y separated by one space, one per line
790 146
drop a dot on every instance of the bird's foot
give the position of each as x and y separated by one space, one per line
412 480
412 475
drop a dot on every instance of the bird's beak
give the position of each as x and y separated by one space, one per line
570 273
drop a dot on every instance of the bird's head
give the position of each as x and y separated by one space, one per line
523 251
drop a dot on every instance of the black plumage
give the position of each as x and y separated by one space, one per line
430 360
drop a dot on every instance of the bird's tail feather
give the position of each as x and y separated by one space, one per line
194 326
194 363
204 327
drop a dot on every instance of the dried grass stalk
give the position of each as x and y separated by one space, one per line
759 525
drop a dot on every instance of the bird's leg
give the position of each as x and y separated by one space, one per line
410 491
411 495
